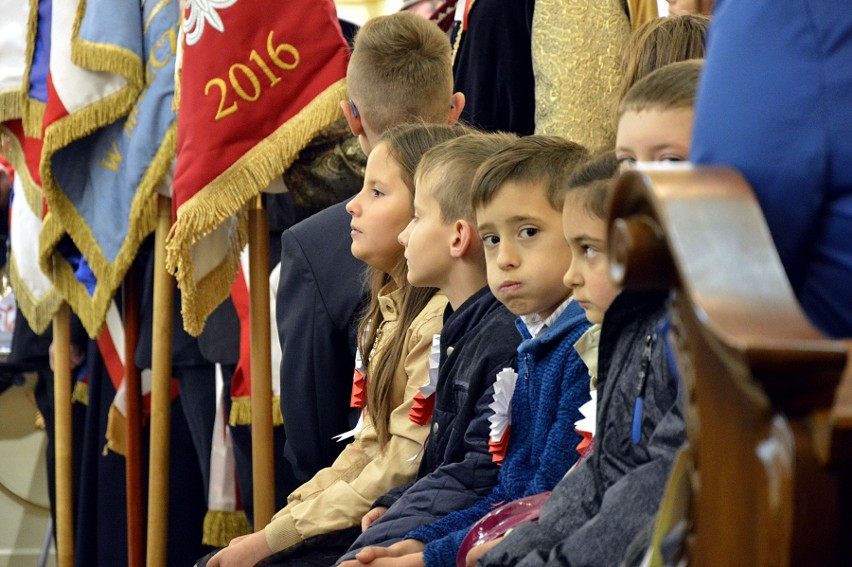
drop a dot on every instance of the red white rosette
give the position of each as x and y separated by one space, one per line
501 418
358 398
586 425
424 399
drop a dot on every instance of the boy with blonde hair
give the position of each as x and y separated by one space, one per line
401 71
320 290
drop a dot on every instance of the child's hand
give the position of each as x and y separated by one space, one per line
399 549
409 560
243 550
474 554
372 516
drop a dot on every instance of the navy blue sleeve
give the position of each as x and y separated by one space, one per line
775 103
318 298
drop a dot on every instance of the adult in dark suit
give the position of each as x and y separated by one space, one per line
320 290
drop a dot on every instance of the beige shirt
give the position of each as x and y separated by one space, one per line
338 496
587 347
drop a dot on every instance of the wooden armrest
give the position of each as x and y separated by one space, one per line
701 231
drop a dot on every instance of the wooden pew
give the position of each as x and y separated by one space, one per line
768 445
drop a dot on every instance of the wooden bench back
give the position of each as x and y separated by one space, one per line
766 438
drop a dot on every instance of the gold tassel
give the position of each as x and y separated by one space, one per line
80 394
115 433
10 105
277 416
220 527
241 411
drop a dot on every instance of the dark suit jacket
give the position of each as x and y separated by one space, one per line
319 295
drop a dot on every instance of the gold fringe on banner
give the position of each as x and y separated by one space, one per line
63 219
227 194
32 117
277 416
106 58
10 105
241 411
38 311
80 394
220 527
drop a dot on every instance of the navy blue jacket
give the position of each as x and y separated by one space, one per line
477 341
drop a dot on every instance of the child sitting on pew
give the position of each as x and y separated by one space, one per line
596 511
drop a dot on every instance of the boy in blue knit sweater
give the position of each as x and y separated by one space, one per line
518 200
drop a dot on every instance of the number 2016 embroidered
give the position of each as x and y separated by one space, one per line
240 71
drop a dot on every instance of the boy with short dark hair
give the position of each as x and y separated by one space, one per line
597 511
655 117
517 198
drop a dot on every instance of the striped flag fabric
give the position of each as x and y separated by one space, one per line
253 91
109 141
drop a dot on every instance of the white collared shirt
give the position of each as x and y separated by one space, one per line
536 325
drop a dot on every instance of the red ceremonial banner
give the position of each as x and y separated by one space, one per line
258 81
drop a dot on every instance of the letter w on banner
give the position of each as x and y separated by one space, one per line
253 92
109 142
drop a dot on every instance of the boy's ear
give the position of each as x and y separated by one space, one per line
353 119
456 107
464 237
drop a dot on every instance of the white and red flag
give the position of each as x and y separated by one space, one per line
23 93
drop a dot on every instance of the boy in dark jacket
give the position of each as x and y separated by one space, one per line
478 340
517 195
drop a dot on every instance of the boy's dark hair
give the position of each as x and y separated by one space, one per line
401 70
451 166
542 160
672 86
589 185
